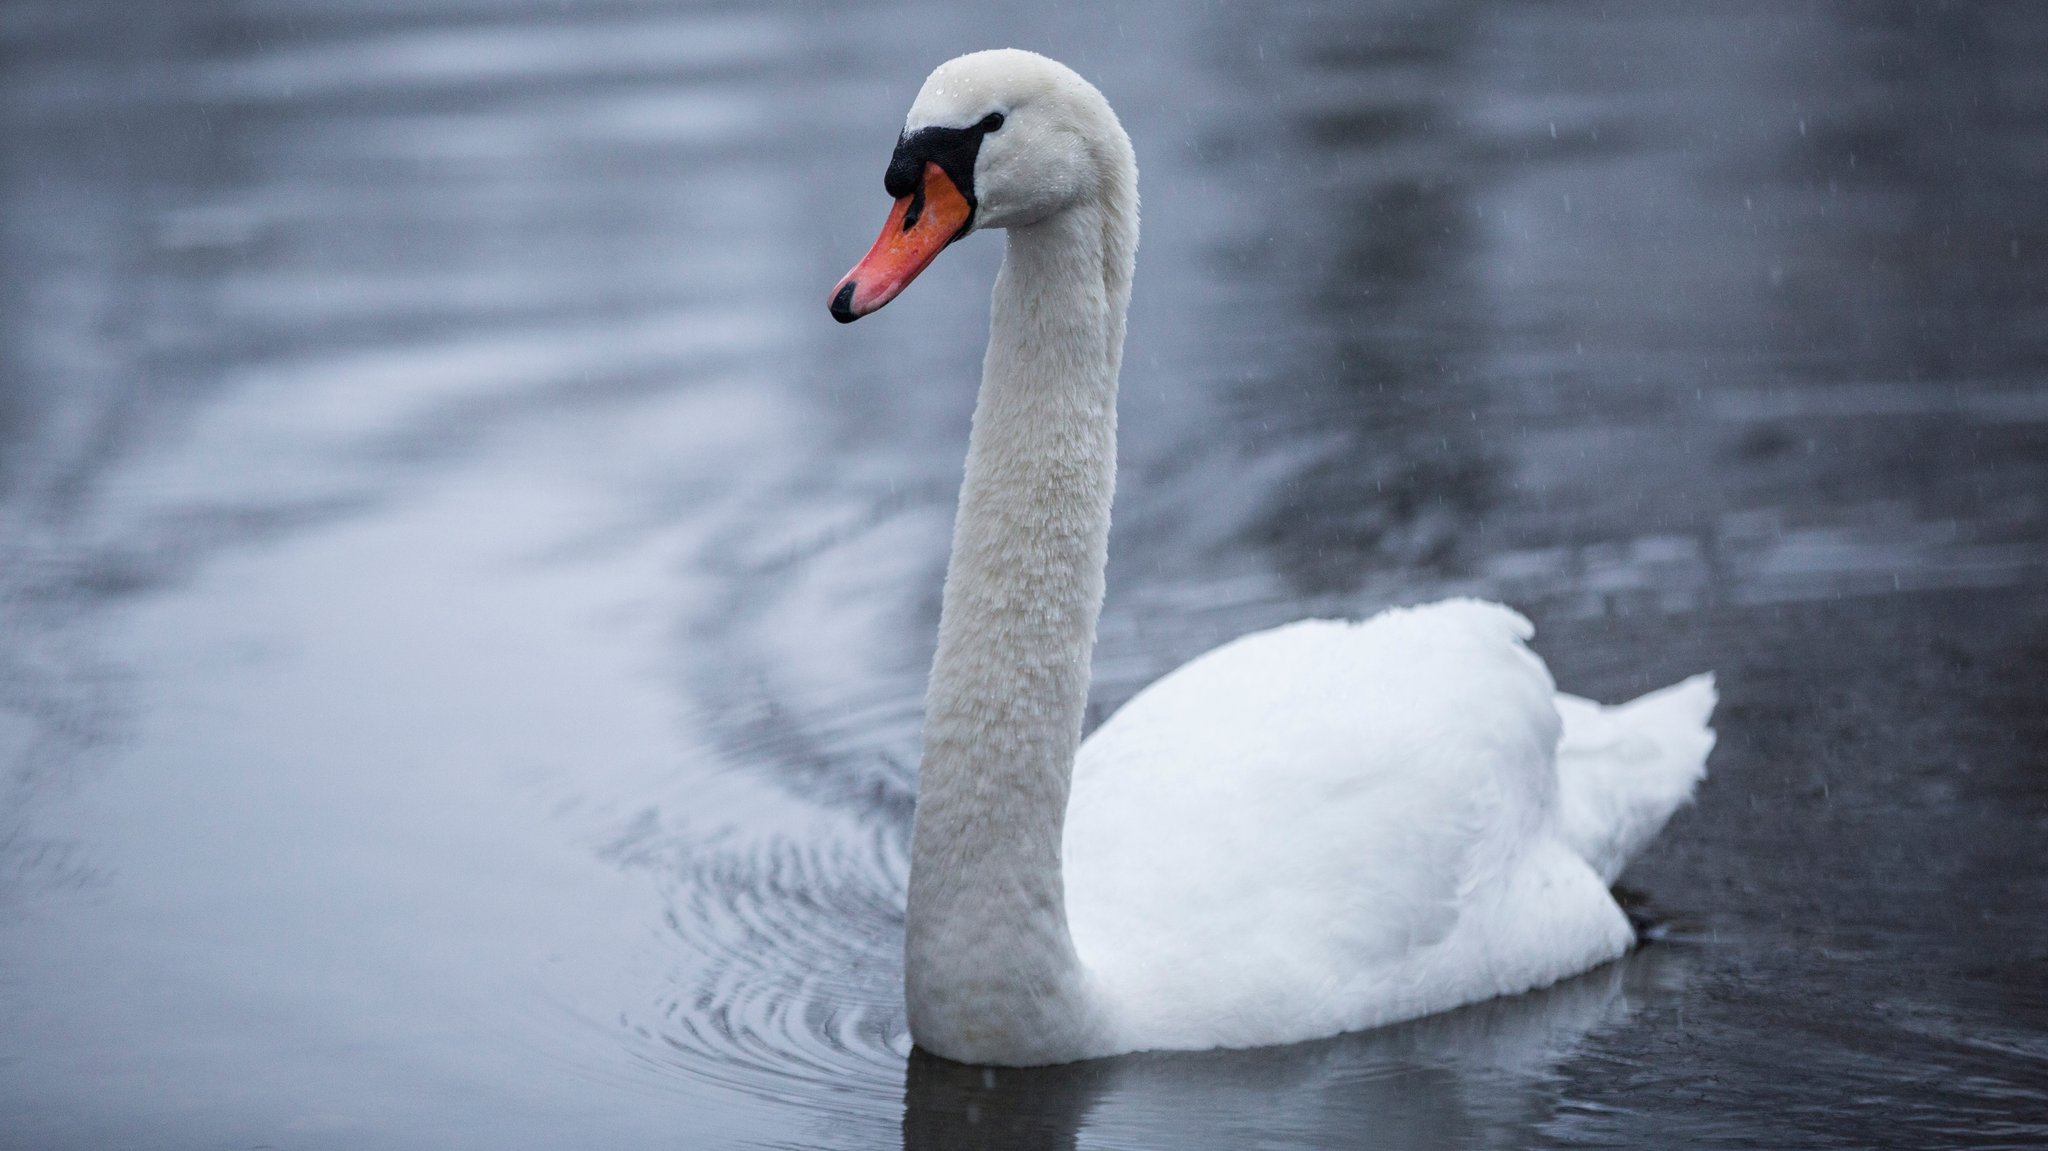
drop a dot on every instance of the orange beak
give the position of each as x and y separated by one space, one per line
919 228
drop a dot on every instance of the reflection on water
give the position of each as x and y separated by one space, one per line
1451 1080
466 606
1382 374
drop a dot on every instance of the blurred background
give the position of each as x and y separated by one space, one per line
464 605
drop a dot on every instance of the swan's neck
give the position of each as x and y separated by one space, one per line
991 972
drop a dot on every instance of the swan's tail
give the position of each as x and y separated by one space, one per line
1623 770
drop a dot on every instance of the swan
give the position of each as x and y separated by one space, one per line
1323 827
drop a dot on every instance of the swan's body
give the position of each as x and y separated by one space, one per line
1313 829
1330 826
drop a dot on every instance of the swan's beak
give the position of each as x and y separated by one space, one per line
920 226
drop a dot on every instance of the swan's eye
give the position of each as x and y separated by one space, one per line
990 122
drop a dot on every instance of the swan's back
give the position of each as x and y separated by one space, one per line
1335 825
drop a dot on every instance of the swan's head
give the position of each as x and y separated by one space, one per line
997 139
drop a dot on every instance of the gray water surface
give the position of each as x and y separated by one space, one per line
464 605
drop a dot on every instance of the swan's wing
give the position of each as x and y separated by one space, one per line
1307 807
1623 770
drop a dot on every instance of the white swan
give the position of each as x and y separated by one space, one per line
1319 828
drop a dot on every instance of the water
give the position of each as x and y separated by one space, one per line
466 605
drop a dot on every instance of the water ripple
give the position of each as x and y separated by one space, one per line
794 982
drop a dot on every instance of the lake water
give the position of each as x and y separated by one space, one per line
464 605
